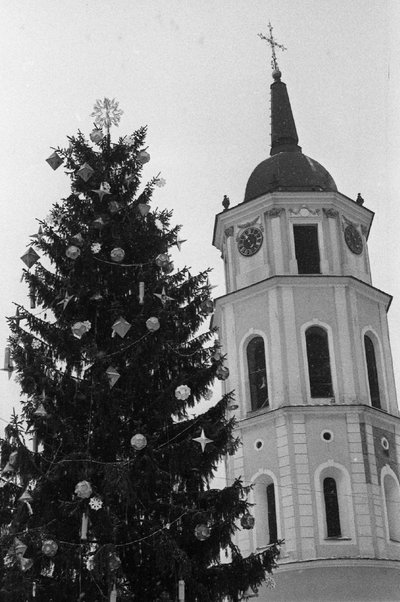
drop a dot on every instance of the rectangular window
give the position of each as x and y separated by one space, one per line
272 526
307 249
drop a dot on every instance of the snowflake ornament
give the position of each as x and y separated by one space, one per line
160 182
96 247
106 113
129 140
95 503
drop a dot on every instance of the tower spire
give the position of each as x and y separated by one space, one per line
283 128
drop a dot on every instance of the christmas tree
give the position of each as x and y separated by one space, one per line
106 472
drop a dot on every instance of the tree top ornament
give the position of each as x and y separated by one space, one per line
106 113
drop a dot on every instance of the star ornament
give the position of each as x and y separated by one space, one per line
203 440
179 242
104 188
106 113
163 296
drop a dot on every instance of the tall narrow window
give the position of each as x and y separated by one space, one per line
307 249
257 373
331 508
392 500
319 368
372 372
272 524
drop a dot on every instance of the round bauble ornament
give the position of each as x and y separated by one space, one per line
202 532
73 252
138 441
96 135
162 260
182 392
168 268
222 373
117 254
114 206
247 521
83 489
152 324
143 157
217 356
49 548
114 562
13 458
207 306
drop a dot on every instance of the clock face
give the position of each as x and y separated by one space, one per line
353 239
250 241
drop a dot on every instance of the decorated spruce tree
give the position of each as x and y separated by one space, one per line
106 471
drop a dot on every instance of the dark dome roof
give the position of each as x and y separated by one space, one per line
288 171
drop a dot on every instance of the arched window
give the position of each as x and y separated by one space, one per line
265 511
392 501
257 373
331 508
372 372
319 368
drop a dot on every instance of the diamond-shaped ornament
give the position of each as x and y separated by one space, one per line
85 172
121 327
40 411
19 547
113 375
30 257
54 160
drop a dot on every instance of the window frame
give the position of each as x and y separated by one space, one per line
252 375
328 329
380 367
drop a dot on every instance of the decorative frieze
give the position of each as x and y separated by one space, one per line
248 224
304 211
275 212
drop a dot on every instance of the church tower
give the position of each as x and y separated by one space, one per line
306 338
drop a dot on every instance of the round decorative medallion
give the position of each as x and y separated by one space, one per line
385 443
353 239
250 241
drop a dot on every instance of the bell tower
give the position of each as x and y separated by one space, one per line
306 338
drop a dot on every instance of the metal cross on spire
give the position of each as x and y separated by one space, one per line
271 41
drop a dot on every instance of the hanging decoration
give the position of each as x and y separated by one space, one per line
152 324
182 392
106 113
114 207
40 411
30 257
54 160
103 189
77 240
99 223
138 442
181 590
203 440
207 306
19 547
73 252
26 564
160 182
162 260
163 296
113 594
49 548
129 140
121 327
8 362
95 248
179 242
247 521
85 172
208 394
114 562
167 269
13 458
27 499
143 157
96 135
202 532
84 526
141 293
222 373
113 375
117 254
64 302
80 328
95 503
83 489
143 209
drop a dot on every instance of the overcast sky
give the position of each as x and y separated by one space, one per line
197 74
